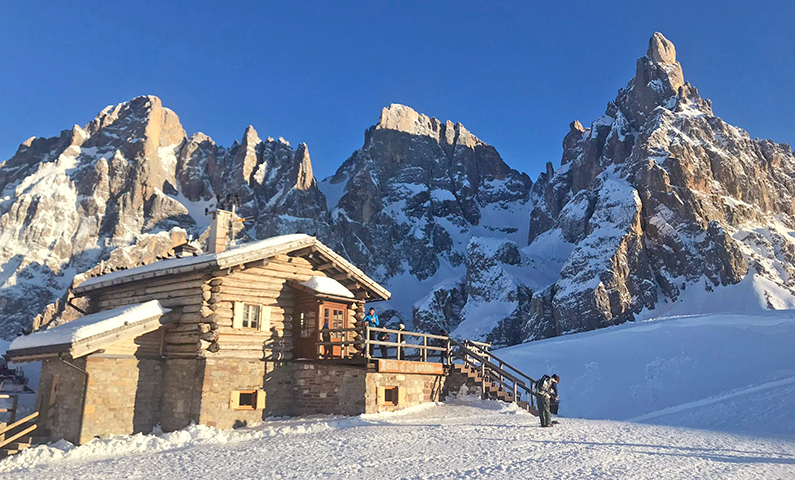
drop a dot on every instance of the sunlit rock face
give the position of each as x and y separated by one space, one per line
410 199
657 196
132 178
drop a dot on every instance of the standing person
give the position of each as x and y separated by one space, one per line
554 401
372 320
544 394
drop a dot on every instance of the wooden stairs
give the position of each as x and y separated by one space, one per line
495 378
16 435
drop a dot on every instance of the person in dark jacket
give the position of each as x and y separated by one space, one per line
544 395
554 401
372 320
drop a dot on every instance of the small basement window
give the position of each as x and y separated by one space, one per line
251 317
390 396
247 400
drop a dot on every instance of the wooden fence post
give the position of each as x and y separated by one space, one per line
367 341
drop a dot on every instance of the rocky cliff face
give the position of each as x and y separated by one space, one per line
131 178
656 202
657 196
410 199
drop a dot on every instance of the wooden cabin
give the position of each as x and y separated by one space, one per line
225 338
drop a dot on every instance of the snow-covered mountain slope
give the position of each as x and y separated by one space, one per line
698 397
407 203
730 372
123 190
657 198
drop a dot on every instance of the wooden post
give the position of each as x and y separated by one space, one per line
515 398
12 414
399 352
367 341
483 380
425 349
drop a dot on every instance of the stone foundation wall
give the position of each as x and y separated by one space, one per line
60 407
222 376
418 389
130 395
149 396
328 389
182 392
123 396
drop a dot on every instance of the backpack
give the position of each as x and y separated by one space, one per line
541 382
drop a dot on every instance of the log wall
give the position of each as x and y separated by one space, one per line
202 309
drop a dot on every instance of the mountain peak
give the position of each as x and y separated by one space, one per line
661 50
402 118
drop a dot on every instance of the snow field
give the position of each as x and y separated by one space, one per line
699 363
465 438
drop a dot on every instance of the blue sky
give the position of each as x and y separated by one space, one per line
514 73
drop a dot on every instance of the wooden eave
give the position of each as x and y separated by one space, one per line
87 345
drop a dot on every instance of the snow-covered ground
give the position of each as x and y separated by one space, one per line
734 373
688 397
461 439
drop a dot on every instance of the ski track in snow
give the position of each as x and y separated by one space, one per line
465 438
756 389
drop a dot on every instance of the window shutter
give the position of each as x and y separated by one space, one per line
237 319
264 318
379 396
401 400
260 399
234 399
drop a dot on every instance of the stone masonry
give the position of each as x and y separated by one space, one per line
222 376
328 389
60 400
123 396
418 389
181 398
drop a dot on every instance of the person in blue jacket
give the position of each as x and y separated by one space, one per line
372 320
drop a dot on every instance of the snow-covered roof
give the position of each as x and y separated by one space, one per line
238 255
328 286
96 329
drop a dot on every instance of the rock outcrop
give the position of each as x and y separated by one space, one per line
132 178
410 199
658 195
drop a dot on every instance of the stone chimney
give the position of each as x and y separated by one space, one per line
219 230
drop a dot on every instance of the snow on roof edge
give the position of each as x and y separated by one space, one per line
205 258
230 255
92 325
328 286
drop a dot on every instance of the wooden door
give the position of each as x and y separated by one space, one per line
334 315
306 326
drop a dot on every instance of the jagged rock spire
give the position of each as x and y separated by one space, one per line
661 50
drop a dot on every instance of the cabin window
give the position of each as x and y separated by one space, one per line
390 396
251 318
247 400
